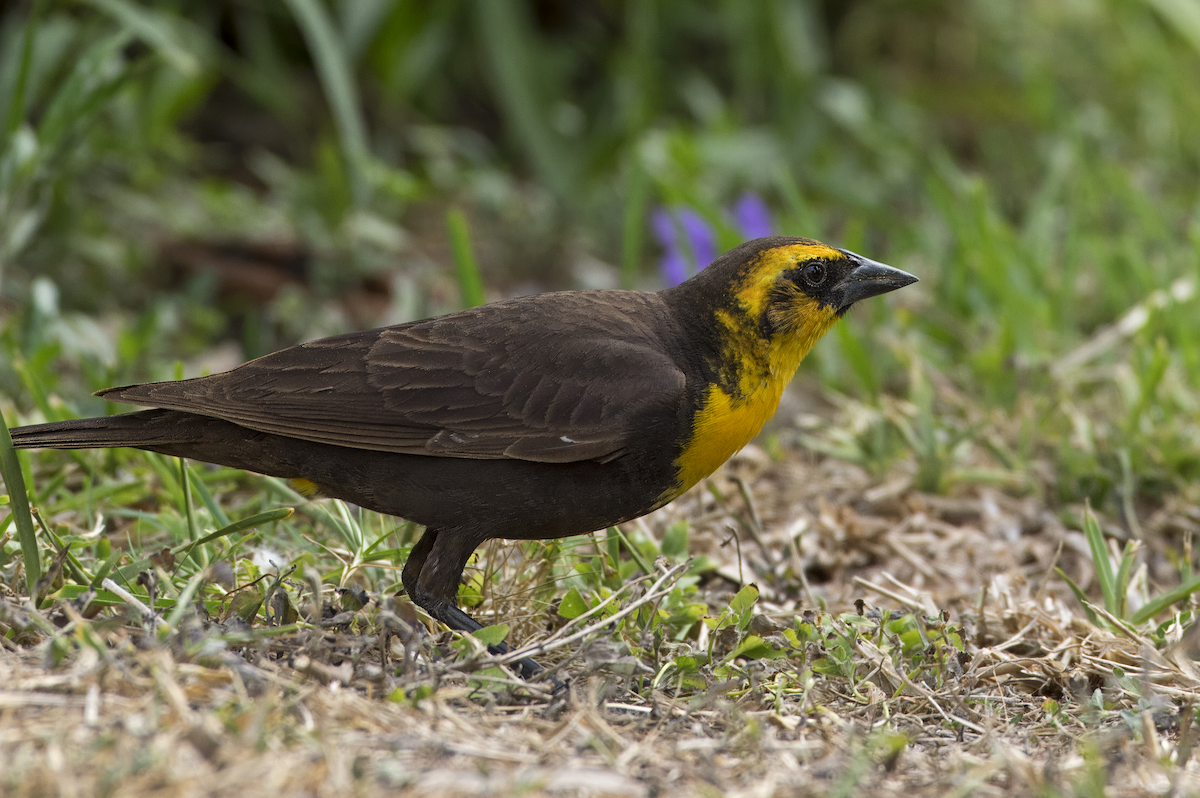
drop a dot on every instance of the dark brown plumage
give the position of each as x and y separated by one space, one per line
538 417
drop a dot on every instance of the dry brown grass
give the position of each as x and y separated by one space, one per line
1042 703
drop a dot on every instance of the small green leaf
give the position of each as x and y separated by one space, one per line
572 605
492 635
245 604
744 600
911 640
754 647
742 605
470 592
675 541
827 667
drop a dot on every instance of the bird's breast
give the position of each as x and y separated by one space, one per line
722 426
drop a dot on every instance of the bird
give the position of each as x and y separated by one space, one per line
537 417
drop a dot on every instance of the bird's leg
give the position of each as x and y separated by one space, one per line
431 576
439 600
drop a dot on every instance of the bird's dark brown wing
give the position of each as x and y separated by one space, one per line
559 377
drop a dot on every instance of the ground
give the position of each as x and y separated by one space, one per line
1032 698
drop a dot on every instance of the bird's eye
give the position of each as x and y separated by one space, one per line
814 273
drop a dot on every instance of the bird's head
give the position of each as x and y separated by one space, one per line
776 297
804 282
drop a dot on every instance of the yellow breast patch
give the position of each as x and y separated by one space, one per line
722 427
731 415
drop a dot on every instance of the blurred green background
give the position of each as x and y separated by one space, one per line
186 184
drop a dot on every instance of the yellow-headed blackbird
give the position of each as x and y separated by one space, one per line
538 417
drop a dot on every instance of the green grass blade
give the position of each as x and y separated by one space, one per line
1100 561
181 552
351 529
469 281
337 80
185 483
106 568
154 28
1160 603
31 379
247 523
207 499
87 91
507 45
182 603
637 198
633 551
161 464
239 526
1081 596
800 219
70 563
1183 15
14 480
16 107
859 359
359 22
1121 584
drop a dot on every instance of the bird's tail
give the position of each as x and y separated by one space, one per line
179 434
147 429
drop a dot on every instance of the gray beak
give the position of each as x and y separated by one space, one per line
868 278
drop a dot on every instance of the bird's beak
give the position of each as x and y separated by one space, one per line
868 278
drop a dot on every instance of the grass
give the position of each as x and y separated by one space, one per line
1001 462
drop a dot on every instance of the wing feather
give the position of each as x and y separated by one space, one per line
553 378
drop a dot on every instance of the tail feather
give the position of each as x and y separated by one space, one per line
179 434
141 430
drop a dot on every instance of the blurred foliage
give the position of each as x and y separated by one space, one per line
186 183
1034 164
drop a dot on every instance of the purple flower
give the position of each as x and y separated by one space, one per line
701 239
752 216
689 242
674 267
686 254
